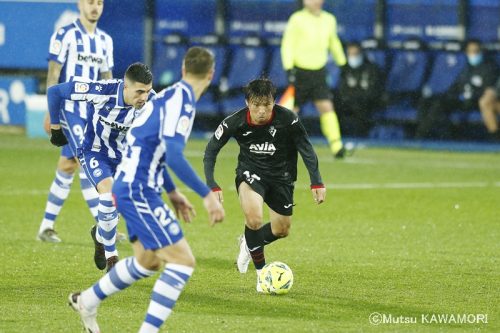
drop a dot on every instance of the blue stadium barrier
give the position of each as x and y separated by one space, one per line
332 74
220 54
308 110
232 104
378 57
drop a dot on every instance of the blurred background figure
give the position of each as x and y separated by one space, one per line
360 92
490 109
309 35
466 94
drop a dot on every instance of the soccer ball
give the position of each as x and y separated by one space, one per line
276 278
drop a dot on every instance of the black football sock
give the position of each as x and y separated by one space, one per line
255 245
267 234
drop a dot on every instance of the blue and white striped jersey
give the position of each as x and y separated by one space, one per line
157 138
83 56
109 118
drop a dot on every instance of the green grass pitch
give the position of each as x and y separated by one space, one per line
402 233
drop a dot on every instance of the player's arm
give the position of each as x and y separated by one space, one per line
306 151
218 140
177 162
336 48
52 79
181 204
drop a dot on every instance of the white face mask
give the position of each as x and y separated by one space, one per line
355 61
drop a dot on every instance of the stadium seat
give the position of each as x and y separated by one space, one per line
247 63
220 55
332 74
276 72
407 71
445 69
377 57
232 104
207 104
308 110
167 63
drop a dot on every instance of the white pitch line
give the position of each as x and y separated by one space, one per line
366 186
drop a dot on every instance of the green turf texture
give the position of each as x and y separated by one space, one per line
394 248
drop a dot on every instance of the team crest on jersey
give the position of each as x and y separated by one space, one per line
97 172
81 87
219 132
183 125
263 148
272 131
55 47
174 229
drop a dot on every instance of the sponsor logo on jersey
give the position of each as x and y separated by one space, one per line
81 87
188 107
97 172
55 47
272 131
98 88
247 133
183 125
93 60
295 121
113 125
263 148
219 132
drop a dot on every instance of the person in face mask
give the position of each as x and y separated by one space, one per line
360 92
469 92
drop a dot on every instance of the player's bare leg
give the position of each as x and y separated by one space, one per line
488 107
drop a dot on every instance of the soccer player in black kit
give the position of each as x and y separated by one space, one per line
269 137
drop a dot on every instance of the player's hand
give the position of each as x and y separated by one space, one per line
46 123
290 74
218 194
214 208
182 206
319 194
57 137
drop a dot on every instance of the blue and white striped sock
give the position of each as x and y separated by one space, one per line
107 222
59 191
90 194
122 275
165 294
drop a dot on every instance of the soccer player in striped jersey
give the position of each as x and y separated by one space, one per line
112 106
79 51
157 140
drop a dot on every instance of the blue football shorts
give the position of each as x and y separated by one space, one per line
97 166
73 126
146 215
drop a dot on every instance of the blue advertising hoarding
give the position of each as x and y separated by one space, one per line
355 18
484 20
424 19
190 18
13 92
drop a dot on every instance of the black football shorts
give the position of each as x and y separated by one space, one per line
310 85
278 196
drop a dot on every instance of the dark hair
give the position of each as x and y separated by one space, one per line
260 88
198 61
472 41
138 72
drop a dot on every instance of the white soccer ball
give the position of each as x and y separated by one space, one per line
276 278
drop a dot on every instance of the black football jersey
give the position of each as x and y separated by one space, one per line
269 150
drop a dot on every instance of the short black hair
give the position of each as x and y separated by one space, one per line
139 72
354 44
198 61
259 88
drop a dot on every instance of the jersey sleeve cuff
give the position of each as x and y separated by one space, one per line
317 186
